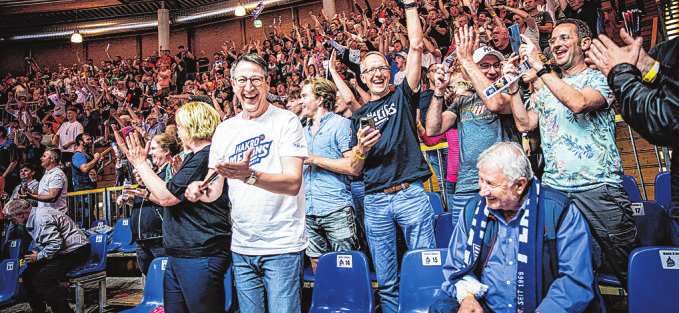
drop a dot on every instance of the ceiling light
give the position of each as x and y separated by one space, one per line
76 37
240 10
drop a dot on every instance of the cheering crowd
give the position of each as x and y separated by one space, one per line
310 141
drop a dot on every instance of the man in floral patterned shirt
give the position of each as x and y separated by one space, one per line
576 120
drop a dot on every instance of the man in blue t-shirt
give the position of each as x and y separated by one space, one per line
481 120
391 161
84 166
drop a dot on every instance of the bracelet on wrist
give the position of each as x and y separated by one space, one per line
438 97
358 156
512 93
652 72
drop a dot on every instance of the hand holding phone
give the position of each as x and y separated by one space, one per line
367 121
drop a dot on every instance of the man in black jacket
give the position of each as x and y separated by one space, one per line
647 88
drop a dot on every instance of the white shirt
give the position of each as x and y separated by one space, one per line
67 133
264 223
54 178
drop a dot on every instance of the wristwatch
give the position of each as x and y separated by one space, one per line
545 69
410 5
251 179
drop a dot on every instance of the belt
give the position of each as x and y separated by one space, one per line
397 188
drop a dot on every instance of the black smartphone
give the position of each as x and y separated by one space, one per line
515 37
367 121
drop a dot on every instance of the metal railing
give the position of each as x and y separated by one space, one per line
441 180
98 204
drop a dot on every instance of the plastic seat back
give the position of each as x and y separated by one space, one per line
653 224
632 189
421 279
653 278
436 202
663 193
444 229
12 249
79 224
122 235
9 281
97 260
342 283
99 223
228 289
153 288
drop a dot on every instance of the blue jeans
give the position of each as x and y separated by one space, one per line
269 283
440 172
196 285
450 193
334 232
411 210
358 194
459 200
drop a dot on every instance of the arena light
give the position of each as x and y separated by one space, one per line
76 37
240 10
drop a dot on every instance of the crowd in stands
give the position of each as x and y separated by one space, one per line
310 141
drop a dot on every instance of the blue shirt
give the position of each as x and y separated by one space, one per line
81 180
325 191
571 292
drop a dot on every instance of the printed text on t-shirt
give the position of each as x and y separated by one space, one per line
261 150
382 114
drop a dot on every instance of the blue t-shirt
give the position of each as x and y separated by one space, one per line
327 191
82 180
479 128
396 158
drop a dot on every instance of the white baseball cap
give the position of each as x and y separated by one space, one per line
482 52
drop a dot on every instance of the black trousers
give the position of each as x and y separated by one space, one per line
42 280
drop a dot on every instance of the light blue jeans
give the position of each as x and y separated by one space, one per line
411 210
459 201
269 283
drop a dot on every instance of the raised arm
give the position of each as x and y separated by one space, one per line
342 87
437 122
466 42
414 60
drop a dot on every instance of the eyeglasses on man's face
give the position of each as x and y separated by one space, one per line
485 66
371 71
254 80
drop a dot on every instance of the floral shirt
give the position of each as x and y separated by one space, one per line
579 149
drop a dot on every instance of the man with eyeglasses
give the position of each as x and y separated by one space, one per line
577 127
481 120
390 160
261 152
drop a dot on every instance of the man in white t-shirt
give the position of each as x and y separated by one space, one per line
261 151
401 63
65 137
53 186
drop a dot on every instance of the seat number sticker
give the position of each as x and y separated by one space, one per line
669 259
10 266
126 222
345 261
163 264
638 209
100 238
431 258
13 244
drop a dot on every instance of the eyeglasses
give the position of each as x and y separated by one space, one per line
371 71
485 66
255 80
563 38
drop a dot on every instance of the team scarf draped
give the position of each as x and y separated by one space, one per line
529 277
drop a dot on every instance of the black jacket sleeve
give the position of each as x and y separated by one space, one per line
652 111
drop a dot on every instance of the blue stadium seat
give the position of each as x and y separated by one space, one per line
79 224
9 281
436 202
99 223
153 289
663 194
228 290
122 236
653 280
444 229
97 260
12 249
654 226
342 284
632 189
421 279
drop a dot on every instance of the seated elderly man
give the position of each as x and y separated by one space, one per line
60 246
519 246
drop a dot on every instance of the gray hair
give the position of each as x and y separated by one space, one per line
508 157
252 58
16 206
